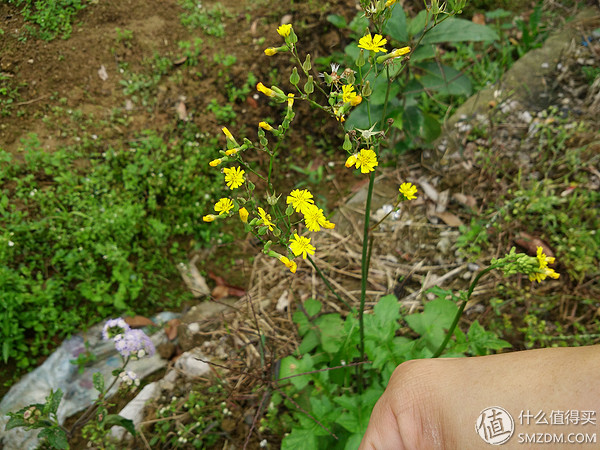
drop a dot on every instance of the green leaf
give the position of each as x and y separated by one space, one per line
291 366
417 24
331 330
459 30
443 79
353 442
309 342
16 420
434 321
337 21
119 421
98 380
383 323
396 25
53 400
431 128
299 438
5 351
312 306
380 90
481 341
56 437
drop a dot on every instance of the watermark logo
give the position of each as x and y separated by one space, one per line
495 425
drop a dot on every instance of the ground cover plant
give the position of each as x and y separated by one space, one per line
328 372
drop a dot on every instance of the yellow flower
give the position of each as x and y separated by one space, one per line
351 160
374 44
408 190
265 218
314 218
300 199
290 264
301 245
265 126
543 271
227 133
243 214
400 52
284 30
234 177
348 93
356 100
328 225
215 162
389 3
290 100
209 218
270 51
265 90
232 151
543 259
223 206
366 160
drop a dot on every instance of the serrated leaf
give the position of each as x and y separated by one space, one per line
98 380
16 420
299 439
481 341
53 401
291 366
56 437
434 321
312 306
331 332
459 30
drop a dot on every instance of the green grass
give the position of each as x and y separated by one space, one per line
88 235
49 19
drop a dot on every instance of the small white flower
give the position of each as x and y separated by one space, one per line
11 244
263 443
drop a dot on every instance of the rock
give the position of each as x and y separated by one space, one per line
134 410
190 365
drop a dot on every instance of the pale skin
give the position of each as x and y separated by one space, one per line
435 403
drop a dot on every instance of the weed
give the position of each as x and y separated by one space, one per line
223 113
51 18
210 21
97 233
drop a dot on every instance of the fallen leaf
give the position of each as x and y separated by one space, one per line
231 289
171 328
467 200
138 321
531 243
219 292
180 61
429 190
450 219
251 102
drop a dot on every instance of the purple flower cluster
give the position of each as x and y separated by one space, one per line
134 344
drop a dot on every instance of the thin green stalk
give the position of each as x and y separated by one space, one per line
365 271
462 308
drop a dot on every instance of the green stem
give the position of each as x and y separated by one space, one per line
365 271
322 275
462 308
